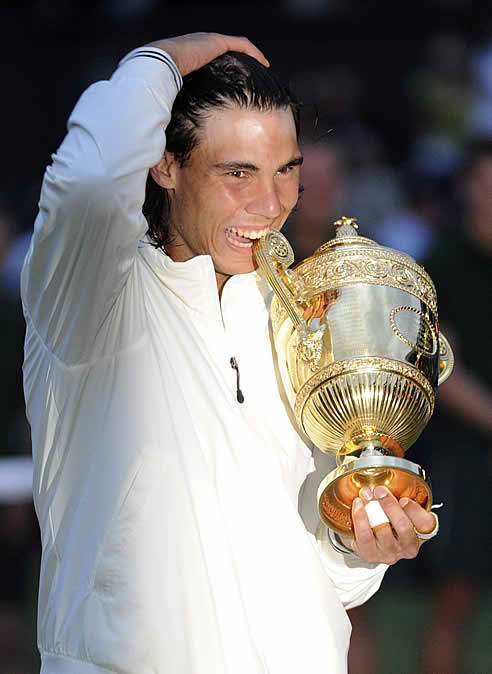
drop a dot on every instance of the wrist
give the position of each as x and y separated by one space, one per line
337 543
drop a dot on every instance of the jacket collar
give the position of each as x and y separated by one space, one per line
194 282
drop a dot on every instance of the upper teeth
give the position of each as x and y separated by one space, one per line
249 234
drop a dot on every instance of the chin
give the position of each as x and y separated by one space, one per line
238 271
240 267
245 268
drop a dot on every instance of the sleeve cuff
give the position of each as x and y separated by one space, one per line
325 538
158 55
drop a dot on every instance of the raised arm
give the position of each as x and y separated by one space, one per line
90 218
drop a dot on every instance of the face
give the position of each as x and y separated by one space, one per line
241 179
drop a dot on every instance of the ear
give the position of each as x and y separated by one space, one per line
164 173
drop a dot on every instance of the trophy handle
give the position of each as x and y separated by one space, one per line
274 255
446 359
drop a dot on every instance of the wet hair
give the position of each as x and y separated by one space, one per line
233 79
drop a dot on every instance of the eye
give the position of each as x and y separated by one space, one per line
285 170
237 174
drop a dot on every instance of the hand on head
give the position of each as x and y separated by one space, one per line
194 50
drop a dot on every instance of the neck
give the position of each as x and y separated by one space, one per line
221 281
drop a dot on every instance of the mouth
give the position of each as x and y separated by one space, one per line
243 238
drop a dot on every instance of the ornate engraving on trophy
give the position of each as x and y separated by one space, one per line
385 267
279 249
310 347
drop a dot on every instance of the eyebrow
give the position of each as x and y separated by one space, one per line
297 161
246 166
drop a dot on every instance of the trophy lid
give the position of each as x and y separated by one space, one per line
346 235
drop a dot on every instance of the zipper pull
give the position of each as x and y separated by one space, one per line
239 393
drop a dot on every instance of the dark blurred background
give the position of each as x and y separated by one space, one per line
397 131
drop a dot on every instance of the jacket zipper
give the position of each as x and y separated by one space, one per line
239 393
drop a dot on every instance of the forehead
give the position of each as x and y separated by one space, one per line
250 131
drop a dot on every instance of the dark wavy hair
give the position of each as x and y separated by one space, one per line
233 79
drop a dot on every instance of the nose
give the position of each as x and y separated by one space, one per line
265 200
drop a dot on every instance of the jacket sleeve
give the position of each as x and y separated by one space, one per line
355 581
90 212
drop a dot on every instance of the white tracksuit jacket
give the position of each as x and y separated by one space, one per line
172 541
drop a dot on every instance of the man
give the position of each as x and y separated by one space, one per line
165 486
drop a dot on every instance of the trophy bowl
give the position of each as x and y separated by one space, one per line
355 327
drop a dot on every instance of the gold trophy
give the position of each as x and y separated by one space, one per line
360 355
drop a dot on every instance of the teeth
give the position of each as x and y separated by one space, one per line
240 244
247 234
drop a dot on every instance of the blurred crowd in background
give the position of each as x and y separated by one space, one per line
397 132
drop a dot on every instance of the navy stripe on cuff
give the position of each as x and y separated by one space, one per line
164 59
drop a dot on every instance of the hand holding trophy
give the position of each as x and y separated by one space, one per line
357 337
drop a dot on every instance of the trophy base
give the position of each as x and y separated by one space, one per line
340 487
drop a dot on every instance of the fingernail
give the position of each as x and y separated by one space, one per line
366 494
404 502
357 504
380 492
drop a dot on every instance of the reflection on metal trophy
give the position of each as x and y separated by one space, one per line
360 355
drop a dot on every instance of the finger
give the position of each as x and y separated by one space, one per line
364 537
242 44
388 545
400 522
375 513
348 541
386 542
423 521
194 50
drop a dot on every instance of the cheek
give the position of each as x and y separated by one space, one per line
232 195
290 195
